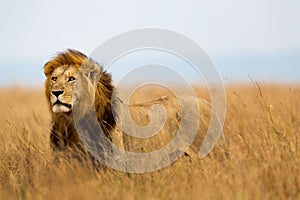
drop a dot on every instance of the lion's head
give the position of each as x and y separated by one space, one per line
64 72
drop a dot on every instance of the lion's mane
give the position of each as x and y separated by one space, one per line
63 133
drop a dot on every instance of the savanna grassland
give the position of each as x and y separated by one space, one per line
258 159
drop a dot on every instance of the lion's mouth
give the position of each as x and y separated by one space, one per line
63 104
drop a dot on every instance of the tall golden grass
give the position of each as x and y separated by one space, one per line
259 158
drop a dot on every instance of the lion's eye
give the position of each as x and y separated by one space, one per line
54 78
71 79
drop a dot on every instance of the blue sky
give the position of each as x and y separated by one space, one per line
253 38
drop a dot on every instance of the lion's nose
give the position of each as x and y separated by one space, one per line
57 92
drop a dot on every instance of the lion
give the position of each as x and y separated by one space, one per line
71 77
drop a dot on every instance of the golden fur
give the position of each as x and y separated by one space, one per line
63 135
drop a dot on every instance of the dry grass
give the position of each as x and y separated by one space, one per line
258 160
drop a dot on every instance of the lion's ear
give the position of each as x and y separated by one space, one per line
94 74
90 70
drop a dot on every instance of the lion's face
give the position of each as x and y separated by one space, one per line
61 88
71 82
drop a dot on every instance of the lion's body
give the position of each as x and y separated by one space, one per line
140 115
71 65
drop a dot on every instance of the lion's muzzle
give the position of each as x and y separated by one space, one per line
59 103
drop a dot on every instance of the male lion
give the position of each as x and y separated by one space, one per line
95 86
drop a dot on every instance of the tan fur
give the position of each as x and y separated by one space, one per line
64 135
